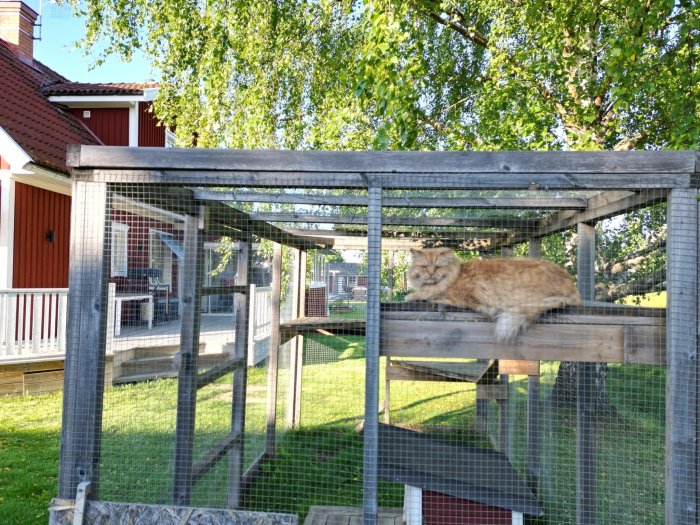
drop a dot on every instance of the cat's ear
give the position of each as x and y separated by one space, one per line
416 253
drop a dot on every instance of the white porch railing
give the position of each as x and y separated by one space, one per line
261 309
33 321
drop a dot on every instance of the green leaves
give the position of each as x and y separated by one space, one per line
423 74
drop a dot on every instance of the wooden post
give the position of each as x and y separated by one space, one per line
586 392
503 433
534 408
371 429
253 322
240 375
391 275
387 391
297 350
191 294
273 352
83 384
681 348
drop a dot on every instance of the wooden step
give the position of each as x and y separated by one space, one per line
149 368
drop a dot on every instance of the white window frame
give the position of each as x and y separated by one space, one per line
166 274
170 139
120 254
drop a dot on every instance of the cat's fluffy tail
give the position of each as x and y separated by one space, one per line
509 325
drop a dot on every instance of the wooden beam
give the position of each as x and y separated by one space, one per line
83 385
682 347
297 347
540 202
400 163
457 222
218 371
192 277
602 206
215 454
372 346
389 233
586 394
240 376
604 343
273 352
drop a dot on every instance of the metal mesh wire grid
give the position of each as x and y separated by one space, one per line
264 355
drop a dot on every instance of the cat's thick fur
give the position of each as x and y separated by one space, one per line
513 292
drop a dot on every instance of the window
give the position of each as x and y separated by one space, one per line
160 256
120 250
170 139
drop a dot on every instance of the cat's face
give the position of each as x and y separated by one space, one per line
432 266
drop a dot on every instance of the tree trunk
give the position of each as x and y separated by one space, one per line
564 391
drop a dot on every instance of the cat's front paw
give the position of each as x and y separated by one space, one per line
413 297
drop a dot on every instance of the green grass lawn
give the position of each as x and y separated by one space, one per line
322 462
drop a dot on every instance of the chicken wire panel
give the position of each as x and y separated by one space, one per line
469 424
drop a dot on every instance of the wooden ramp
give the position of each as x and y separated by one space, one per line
350 516
472 372
321 325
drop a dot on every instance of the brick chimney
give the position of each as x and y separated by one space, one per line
17 25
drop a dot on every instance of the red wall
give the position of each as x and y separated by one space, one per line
111 125
37 262
440 509
150 133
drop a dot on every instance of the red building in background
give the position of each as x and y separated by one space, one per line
41 113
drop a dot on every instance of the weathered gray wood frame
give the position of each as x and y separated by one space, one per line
240 376
373 330
83 383
273 353
193 274
296 360
682 361
657 172
586 391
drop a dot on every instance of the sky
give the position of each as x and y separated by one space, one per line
60 31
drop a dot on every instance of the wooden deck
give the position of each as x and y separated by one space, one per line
350 516
43 373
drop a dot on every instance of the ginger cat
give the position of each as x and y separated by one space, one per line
514 292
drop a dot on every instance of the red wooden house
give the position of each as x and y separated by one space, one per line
41 113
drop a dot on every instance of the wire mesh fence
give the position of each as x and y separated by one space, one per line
273 354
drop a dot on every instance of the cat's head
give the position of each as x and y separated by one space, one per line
437 267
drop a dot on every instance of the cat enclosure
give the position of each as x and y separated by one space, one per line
361 407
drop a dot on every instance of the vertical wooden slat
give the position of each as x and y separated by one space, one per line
21 322
390 271
371 428
586 392
253 305
682 347
240 376
4 314
272 361
297 351
62 320
387 391
534 409
111 292
12 323
190 290
36 322
83 383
